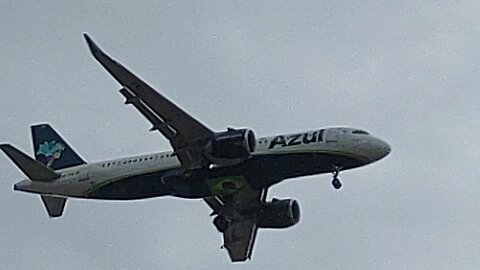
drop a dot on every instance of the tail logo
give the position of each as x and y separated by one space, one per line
51 150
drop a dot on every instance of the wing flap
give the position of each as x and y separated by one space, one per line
157 122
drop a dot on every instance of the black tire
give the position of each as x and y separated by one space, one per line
336 183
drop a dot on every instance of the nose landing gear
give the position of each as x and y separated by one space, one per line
336 181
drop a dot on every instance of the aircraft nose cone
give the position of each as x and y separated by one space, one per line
382 149
375 149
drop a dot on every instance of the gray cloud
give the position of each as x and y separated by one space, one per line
407 72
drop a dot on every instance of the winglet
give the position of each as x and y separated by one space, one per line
33 169
91 45
106 61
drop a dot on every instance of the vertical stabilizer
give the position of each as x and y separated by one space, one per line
52 150
54 205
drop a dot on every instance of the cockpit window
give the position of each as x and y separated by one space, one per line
360 132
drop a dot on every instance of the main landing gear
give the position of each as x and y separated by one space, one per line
336 182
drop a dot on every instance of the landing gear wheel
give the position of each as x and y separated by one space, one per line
220 223
336 183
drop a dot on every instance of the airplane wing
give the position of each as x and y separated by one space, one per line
239 211
186 135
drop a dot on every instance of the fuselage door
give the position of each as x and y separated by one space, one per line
332 135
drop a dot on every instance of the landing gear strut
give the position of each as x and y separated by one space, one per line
336 182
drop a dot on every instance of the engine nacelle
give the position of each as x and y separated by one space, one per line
279 214
232 146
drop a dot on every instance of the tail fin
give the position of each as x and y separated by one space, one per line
31 168
52 150
54 205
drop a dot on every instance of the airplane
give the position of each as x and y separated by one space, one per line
230 170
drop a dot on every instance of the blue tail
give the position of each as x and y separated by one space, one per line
51 150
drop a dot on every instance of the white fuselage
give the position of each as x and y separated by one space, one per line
80 180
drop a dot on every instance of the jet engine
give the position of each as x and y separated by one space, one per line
232 146
279 214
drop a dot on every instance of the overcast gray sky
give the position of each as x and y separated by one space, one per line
407 71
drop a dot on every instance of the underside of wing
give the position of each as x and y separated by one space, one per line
236 218
239 239
186 135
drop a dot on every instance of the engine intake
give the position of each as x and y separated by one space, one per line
279 214
234 144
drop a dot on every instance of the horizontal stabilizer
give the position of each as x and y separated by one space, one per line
54 205
33 169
